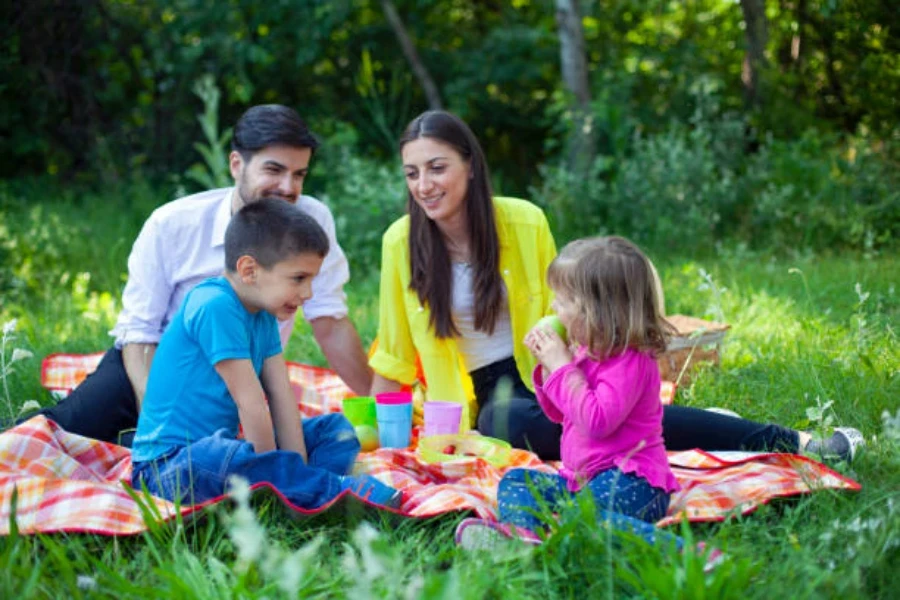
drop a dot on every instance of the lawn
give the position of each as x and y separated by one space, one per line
813 344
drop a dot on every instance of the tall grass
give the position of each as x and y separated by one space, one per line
807 333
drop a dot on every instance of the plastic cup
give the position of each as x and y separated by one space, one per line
394 421
442 418
394 398
360 410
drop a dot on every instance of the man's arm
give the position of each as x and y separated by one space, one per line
283 406
137 359
382 384
247 393
343 349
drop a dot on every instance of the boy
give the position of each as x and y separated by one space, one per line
220 358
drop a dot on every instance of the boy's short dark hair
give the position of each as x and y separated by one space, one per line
270 125
272 230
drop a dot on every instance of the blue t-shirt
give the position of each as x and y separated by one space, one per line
186 399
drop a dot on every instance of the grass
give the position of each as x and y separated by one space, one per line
813 344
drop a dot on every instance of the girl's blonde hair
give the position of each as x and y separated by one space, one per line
615 292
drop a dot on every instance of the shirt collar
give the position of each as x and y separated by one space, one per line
222 218
503 233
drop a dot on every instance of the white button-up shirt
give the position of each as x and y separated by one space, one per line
183 243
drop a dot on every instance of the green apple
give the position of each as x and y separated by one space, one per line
368 437
553 322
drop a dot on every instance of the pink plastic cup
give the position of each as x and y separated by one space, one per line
442 418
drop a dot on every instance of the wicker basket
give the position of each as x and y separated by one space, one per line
696 341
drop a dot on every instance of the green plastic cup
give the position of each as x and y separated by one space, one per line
360 410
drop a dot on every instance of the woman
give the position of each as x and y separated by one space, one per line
462 282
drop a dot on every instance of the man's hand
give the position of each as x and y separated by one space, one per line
137 359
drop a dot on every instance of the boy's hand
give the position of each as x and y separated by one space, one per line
548 348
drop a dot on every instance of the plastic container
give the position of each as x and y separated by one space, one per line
441 418
463 446
394 422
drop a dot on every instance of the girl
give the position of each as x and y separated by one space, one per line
603 389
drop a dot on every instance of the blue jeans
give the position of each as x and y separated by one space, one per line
625 501
200 471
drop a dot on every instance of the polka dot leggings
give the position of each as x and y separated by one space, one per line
624 500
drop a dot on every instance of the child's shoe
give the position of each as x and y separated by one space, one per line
840 447
714 557
372 491
481 534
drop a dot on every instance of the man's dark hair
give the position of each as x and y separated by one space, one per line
272 230
270 125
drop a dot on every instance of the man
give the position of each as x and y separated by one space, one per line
182 243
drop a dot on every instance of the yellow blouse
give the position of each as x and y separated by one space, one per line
526 249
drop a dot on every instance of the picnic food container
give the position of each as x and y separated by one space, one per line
393 412
441 417
695 342
462 446
359 410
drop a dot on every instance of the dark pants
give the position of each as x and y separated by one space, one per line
524 425
520 420
102 406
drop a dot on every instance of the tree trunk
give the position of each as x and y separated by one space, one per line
409 50
756 32
573 61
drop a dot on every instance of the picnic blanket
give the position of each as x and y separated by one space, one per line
65 482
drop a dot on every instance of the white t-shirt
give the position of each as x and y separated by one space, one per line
478 348
183 242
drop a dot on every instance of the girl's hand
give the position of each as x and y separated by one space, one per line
548 348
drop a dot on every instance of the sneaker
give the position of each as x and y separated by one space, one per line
481 534
366 487
723 411
714 557
842 446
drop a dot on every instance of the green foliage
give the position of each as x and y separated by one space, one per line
365 197
693 188
214 172
102 88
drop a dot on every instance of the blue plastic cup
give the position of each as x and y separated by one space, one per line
394 424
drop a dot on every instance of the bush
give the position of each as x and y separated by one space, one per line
365 197
691 188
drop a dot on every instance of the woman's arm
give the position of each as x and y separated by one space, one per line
247 393
383 384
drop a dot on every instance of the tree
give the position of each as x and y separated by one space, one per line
409 51
575 75
756 34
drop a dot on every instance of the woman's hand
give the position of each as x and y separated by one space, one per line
550 350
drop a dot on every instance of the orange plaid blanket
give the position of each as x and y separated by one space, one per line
64 482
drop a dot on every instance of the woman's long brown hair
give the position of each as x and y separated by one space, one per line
431 271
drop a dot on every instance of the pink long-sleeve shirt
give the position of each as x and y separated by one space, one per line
611 417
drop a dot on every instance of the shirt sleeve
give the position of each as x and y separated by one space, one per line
544 401
395 356
148 290
546 252
205 319
328 298
597 409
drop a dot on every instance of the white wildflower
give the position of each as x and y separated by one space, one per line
86 583
28 406
20 354
247 534
10 326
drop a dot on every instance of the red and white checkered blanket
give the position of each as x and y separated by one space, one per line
64 482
